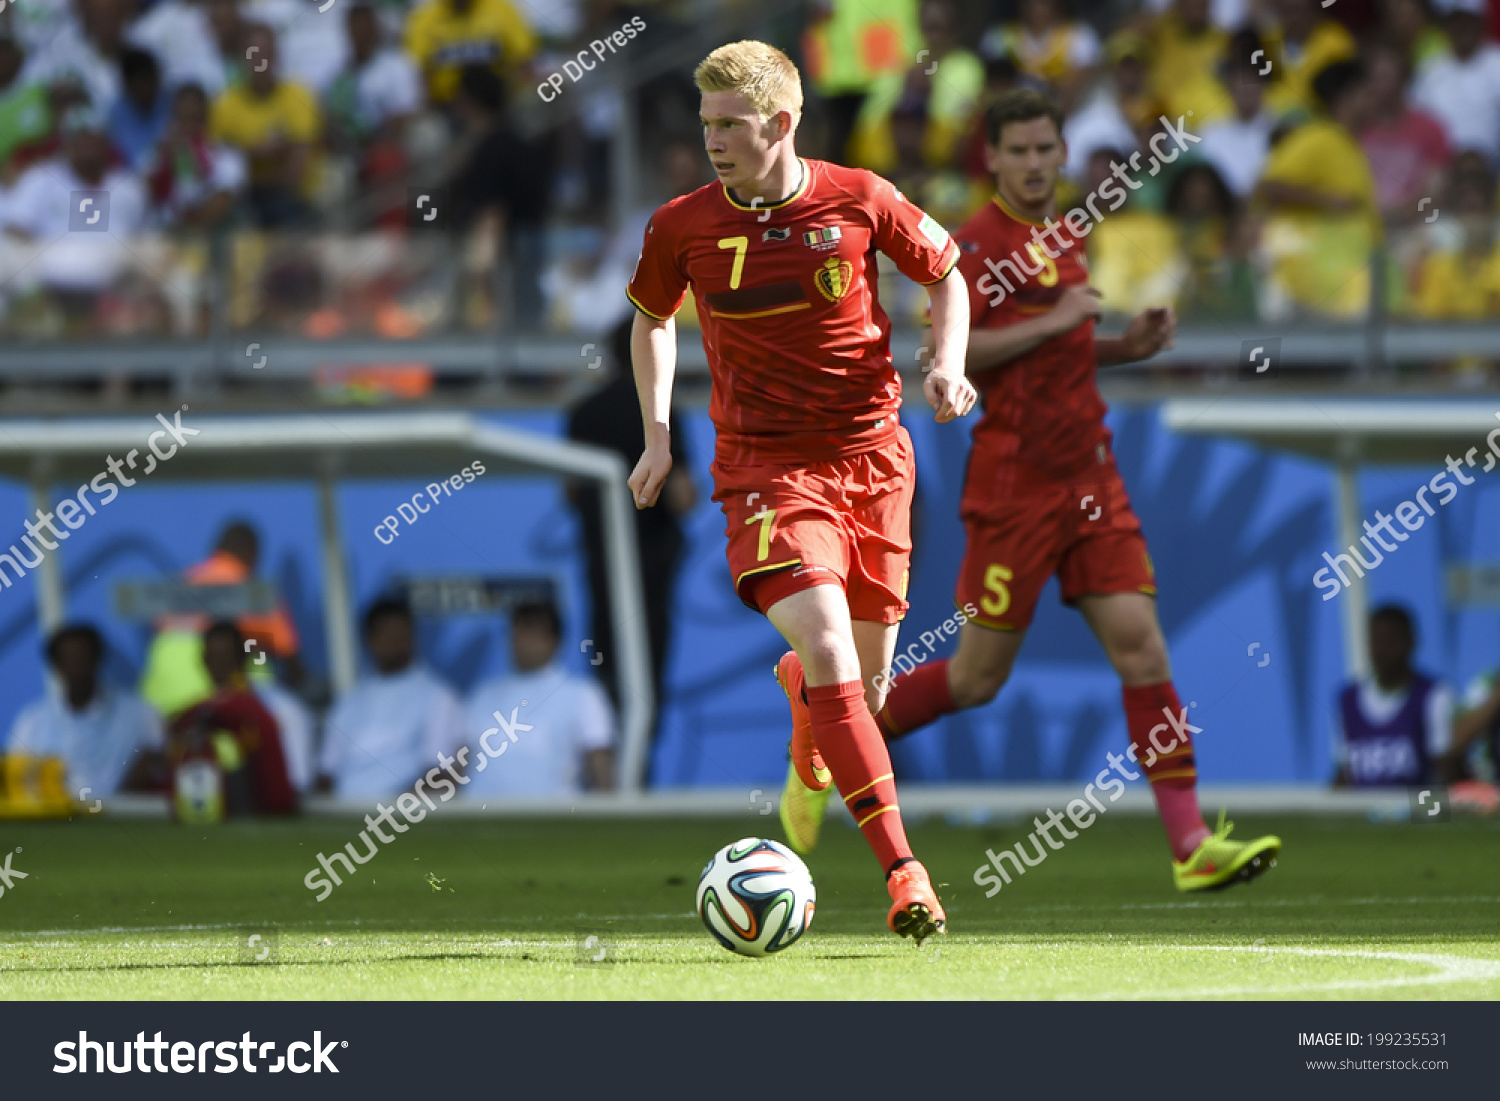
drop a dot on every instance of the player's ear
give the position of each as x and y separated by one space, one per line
992 159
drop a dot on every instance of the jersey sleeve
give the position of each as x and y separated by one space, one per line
922 249
971 266
659 284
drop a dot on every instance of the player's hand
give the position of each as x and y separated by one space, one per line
1076 305
1149 332
649 475
950 395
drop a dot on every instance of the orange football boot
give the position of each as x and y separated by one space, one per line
806 759
915 910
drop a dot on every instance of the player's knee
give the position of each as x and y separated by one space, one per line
1141 657
828 657
976 687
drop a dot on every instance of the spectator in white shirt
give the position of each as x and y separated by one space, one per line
545 731
77 211
1463 90
380 87
367 108
85 51
1237 146
179 34
109 739
389 729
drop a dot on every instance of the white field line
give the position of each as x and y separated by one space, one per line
1446 969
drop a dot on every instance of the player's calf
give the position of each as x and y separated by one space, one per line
972 677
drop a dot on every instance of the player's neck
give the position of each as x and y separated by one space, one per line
1032 212
777 185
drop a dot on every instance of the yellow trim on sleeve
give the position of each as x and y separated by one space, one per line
949 269
643 309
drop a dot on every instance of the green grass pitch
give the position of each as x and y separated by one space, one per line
500 909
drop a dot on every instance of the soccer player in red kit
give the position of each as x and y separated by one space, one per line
812 467
1042 495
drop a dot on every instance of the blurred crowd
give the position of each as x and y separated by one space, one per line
1321 135
218 723
1324 134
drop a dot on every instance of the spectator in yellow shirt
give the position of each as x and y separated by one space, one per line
277 125
1186 51
1460 279
1320 194
443 36
1045 44
1303 45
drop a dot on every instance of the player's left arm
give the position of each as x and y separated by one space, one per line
1148 333
926 253
948 392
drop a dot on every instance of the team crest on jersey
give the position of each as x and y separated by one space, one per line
834 277
821 239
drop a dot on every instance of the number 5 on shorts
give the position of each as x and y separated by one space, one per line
765 516
995 578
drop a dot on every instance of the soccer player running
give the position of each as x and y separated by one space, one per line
1043 495
812 467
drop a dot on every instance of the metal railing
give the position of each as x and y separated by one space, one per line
249 307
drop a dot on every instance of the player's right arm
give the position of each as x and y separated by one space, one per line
653 355
656 290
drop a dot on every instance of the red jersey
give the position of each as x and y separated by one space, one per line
787 294
1043 417
239 711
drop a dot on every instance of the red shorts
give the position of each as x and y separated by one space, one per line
1084 531
844 521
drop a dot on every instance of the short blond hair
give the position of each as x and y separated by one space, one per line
760 72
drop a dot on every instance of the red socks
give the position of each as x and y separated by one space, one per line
1159 734
916 699
856 755
1162 740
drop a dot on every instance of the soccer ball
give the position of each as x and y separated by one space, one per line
756 897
